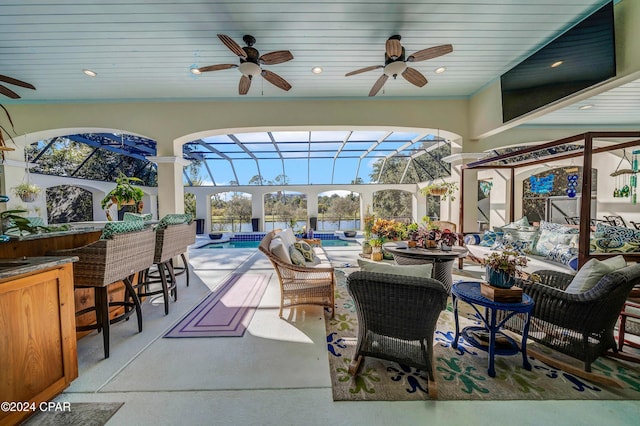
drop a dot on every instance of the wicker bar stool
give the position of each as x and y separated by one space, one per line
106 262
171 241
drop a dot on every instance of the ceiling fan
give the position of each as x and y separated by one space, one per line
395 63
250 63
10 93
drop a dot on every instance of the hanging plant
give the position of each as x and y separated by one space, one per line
28 192
444 190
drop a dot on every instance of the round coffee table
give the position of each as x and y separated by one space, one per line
442 259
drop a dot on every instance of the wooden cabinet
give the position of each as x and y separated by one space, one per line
38 357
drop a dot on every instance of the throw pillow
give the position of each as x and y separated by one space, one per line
404 270
296 257
174 219
306 250
278 249
472 239
287 236
592 271
523 221
112 228
565 255
490 238
553 234
136 216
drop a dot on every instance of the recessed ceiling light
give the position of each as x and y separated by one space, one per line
90 73
195 71
440 70
586 106
556 64
316 70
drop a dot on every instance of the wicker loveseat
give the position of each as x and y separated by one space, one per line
312 284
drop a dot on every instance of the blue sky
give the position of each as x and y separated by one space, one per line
308 157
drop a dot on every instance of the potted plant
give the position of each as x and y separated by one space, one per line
503 266
442 189
376 248
125 193
27 191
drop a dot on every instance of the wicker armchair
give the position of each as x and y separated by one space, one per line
107 262
300 285
397 319
578 325
170 242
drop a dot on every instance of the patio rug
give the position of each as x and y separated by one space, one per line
461 374
227 311
80 413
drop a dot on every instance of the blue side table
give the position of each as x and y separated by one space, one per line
469 292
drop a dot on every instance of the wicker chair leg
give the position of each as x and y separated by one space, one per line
165 287
173 288
186 267
102 311
354 365
130 292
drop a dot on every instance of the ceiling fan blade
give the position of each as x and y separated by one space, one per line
232 45
414 77
8 92
378 84
217 67
393 48
16 82
361 70
276 80
277 57
245 84
430 53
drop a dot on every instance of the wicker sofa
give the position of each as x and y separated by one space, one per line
311 284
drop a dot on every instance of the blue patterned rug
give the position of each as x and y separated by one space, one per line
461 374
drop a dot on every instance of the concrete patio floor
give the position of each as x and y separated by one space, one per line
276 374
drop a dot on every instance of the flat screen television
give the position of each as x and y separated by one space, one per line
587 52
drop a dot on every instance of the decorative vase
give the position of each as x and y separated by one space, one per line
499 278
366 248
376 253
411 244
431 244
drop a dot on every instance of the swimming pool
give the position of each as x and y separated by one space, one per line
255 244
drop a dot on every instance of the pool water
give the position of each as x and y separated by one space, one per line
255 244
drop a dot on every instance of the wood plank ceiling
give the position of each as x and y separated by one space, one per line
144 49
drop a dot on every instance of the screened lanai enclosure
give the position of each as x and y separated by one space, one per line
280 160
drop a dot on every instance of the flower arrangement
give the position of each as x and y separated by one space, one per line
369 220
389 229
508 261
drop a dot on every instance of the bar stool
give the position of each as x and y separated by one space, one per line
171 241
115 258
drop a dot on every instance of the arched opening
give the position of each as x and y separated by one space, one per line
285 209
67 203
231 211
338 211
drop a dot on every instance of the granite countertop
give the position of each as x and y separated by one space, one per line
15 237
12 267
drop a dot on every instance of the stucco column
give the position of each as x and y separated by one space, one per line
366 200
170 185
257 207
312 206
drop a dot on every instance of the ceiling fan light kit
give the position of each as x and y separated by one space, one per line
395 63
251 62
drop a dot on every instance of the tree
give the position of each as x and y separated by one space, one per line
343 207
239 207
256 180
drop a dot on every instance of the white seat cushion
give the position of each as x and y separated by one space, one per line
280 250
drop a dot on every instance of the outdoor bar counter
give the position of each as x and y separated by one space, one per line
37 332
37 245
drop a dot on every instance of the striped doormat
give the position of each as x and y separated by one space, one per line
225 312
